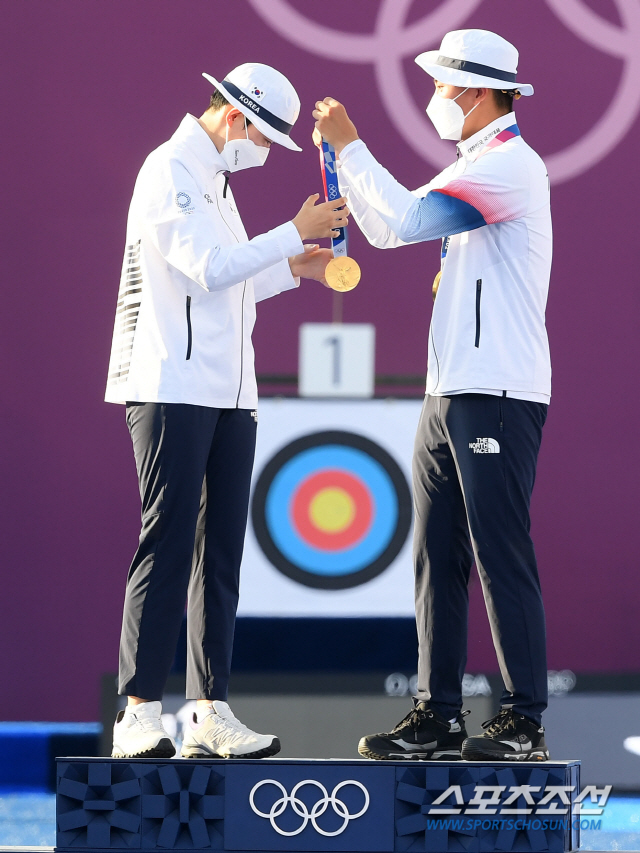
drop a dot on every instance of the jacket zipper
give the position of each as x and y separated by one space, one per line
189 331
244 288
478 297
435 352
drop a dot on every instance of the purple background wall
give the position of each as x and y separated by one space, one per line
88 90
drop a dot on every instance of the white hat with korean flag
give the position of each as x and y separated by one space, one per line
265 97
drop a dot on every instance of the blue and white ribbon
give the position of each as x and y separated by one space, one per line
332 191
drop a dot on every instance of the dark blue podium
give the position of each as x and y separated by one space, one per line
105 804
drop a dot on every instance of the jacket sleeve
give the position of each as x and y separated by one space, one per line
187 239
274 280
366 217
436 214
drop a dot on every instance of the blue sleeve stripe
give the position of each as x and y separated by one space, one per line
438 215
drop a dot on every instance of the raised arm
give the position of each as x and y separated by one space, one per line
442 210
435 215
368 220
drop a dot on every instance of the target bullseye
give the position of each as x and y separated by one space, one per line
332 510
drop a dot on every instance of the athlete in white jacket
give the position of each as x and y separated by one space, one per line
182 361
488 389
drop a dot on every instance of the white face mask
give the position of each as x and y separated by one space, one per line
447 116
243 153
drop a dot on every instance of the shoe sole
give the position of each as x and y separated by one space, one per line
163 749
273 749
388 755
476 753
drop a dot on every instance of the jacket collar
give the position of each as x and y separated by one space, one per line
470 149
194 136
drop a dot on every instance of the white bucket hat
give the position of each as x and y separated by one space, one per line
265 96
475 58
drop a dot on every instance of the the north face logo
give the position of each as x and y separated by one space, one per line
484 445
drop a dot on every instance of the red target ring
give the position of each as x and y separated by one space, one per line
332 510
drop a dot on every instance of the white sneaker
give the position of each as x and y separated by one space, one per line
138 733
222 735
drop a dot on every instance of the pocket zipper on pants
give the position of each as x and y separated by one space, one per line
189 333
478 295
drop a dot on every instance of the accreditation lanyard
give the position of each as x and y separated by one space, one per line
504 136
329 171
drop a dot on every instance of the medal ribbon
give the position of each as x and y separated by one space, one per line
444 250
329 171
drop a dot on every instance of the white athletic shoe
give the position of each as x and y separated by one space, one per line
222 735
138 733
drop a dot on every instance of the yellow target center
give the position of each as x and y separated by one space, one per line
332 510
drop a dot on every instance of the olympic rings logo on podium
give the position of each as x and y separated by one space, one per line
394 40
300 808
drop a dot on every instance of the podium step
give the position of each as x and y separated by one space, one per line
297 805
27 849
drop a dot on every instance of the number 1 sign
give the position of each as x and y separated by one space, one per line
337 360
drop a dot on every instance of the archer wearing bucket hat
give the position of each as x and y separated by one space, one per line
488 390
182 361
264 96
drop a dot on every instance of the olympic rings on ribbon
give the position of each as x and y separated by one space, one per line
301 809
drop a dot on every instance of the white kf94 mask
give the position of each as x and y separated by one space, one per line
447 116
243 153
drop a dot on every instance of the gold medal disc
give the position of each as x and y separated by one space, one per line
436 285
342 274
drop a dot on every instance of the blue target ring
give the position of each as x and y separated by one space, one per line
331 510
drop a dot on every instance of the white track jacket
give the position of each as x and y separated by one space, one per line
190 281
491 209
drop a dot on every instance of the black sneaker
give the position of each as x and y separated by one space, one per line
423 734
507 737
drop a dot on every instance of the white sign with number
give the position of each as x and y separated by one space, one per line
337 360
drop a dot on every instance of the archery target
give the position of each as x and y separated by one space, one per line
331 510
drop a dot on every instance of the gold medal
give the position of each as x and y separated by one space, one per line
436 285
342 274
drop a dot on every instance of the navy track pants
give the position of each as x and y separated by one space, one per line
474 469
194 468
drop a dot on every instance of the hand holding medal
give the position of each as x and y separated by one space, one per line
342 272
